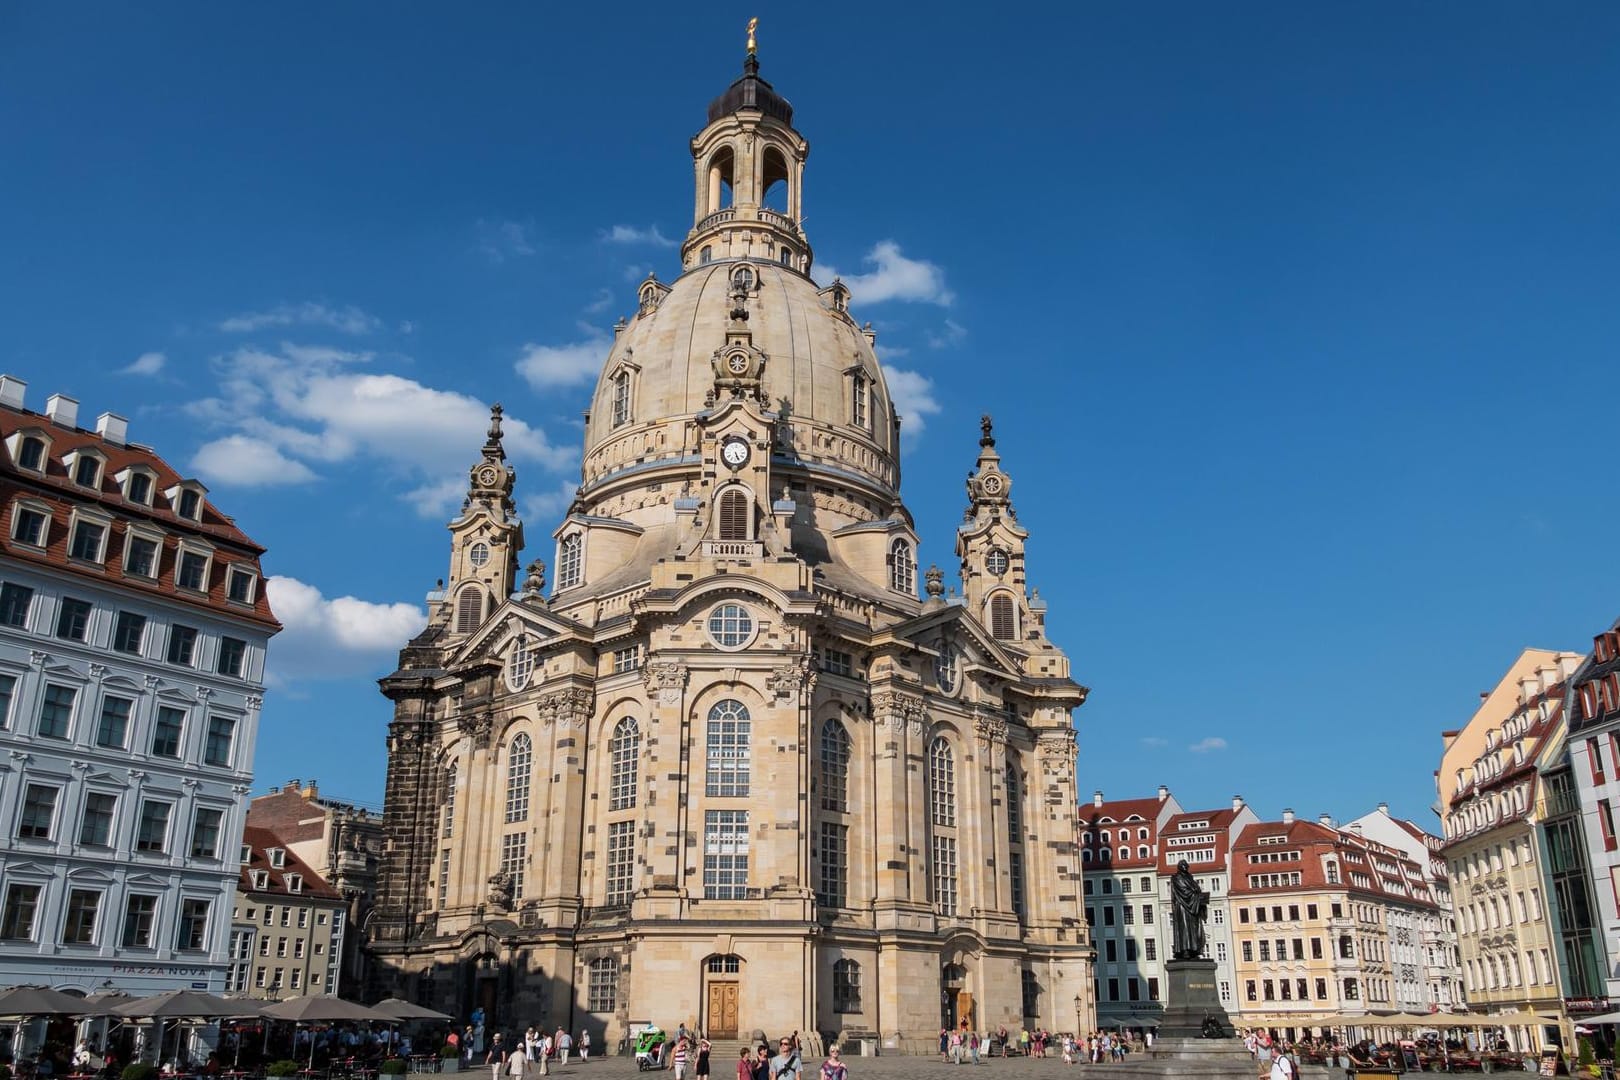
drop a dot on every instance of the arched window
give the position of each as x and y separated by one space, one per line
733 514
787 255
1125 853
728 745
942 782
519 758
1142 851
469 611
857 400
621 398
520 663
624 753
945 667
706 255
846 987
569 560
450 780
835 746
1107 854
1032 994
1015 806
902 568
1003 625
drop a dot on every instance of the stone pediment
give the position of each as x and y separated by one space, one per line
507 622
954 621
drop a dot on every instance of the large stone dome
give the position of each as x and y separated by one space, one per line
816 362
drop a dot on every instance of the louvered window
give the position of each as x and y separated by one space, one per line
734 515
1001 617
469 611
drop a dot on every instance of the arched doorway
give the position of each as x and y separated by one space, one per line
722 996
955 999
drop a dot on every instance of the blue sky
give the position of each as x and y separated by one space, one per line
1298 321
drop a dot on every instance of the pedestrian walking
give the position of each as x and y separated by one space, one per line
496 1057
834 1068
584 1045
703 1059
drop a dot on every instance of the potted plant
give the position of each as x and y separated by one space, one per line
392 1067
449 1058
139 1070
282 1068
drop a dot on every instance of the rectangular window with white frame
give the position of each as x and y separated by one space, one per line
31 524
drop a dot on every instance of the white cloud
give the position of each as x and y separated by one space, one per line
600 302
954 333
346 320
895 277
547 507
573 364
502 240
243 461
314 404
636 272
629 234
150 363
1154 742
1205 745
914 400
343 637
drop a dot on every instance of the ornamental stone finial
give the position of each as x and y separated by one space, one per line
535 583
753 45
495 413
934 582
985 437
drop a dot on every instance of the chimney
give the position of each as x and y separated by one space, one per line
1288 816
294 785
1096 798
1325 820
113 428
1383 808
11 391
311 790
1237 802
1164 793
1355 827
63 410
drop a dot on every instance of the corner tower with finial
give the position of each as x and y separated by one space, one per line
990 543
485 538
748 164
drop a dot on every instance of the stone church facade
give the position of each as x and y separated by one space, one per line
731 769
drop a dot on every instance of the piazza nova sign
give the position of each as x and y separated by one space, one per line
1486 811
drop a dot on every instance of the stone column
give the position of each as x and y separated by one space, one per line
567 713
893 764
990 744
667 800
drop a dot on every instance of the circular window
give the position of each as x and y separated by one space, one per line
519 664
479 555
731 626
945 668
996 562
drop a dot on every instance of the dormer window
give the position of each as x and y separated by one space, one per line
570 560
261 879
247 854
902 568
295 882
86 470
243 585
190 504
278 857
31 453
186 499
191 569
138 485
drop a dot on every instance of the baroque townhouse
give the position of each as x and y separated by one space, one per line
1325 923
342 842
133 627
1437 958
1593 708
1490 806
1119 854
1204 839
743 763
290 921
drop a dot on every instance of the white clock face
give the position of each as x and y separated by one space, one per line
479 555
734 453
996 562
737 364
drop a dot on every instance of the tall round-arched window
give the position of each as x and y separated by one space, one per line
624 752
569 561
469 610
1003 621
621 398
733 516
519 761
450 780
902 568
942 782
945 667
728 745
1015 806
835 746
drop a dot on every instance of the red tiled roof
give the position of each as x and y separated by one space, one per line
260 841
58 490
1356 855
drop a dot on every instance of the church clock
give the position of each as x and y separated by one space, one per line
734 452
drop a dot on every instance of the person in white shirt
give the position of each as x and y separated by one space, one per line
1282 1066
585 1045
516 1062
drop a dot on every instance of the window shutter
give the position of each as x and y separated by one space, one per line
733 515
469 611
1001 617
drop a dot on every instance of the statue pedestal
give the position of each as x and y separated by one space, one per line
1192 1000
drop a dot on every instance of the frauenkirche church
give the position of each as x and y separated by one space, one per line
731 770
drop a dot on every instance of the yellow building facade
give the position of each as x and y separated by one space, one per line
744 765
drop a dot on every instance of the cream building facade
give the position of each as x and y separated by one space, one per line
1490 804
287 940
733 769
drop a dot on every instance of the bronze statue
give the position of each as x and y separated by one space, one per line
1189 906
